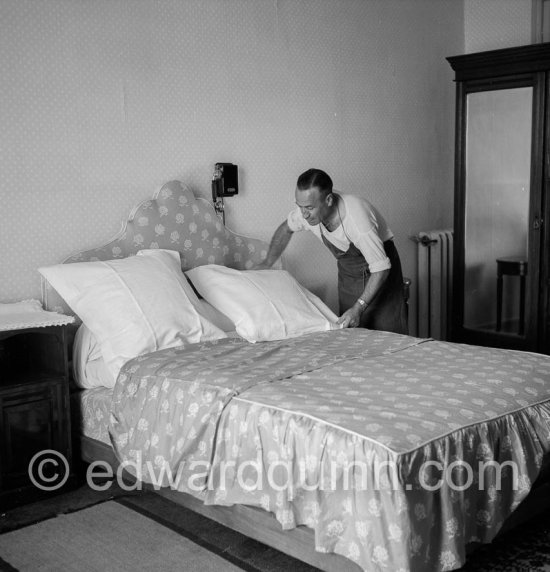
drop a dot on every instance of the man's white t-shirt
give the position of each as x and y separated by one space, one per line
361 225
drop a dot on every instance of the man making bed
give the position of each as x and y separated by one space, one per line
370 282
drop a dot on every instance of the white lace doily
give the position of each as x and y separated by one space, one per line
29 314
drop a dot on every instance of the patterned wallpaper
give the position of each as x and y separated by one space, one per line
105 100
495 24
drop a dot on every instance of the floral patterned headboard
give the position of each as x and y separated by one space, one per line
173 219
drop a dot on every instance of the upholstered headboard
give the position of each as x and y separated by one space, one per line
173 219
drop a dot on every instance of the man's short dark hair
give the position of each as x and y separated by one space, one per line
315 178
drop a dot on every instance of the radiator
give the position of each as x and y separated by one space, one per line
435 282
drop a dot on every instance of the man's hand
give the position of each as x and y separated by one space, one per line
350 318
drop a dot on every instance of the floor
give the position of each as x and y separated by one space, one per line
524 549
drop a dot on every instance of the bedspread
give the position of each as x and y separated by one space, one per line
167 404
397 451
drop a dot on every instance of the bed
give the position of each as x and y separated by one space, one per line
348 449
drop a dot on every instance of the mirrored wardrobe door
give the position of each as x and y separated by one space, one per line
501 277
496 218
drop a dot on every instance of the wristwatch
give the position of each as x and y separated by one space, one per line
362 303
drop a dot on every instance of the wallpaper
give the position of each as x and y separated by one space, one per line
495 24
103 101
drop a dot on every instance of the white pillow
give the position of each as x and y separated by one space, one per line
263 304
88 365
216 317
89 369
133 305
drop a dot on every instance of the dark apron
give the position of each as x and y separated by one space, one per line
387 311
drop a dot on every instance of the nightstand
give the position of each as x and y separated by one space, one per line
34 413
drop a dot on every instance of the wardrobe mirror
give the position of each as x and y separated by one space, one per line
497 189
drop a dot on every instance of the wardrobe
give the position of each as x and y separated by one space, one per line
502 212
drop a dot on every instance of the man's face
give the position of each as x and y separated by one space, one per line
313 206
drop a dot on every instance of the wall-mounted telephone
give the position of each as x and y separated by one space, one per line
225 183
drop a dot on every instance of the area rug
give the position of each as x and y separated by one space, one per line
523 549
106 536
118 531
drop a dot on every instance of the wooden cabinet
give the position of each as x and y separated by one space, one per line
34 413
502 211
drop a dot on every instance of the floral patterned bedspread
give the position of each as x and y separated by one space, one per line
396 451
